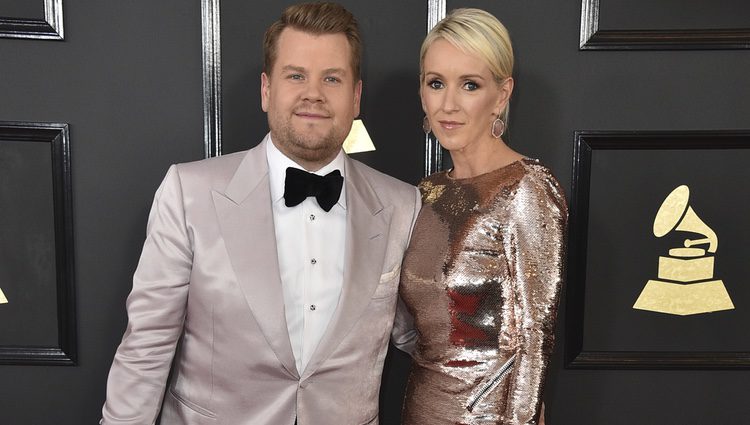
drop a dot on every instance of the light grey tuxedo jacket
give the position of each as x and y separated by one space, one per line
207 297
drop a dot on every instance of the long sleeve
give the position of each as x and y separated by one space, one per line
156 311
538 220
404 335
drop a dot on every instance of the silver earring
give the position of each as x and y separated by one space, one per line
426 125
498 128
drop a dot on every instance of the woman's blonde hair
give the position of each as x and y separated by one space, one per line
478 33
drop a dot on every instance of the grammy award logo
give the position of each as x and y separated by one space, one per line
3 300
685 283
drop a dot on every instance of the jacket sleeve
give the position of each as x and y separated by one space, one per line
156 311
536 250
404 336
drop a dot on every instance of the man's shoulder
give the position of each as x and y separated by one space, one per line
216 172
212 165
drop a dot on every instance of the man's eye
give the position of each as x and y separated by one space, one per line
295 76
333 80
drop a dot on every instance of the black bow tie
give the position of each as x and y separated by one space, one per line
300 184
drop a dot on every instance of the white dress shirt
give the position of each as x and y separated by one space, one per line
310 246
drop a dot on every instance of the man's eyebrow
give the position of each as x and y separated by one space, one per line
335 71
293 68
303 70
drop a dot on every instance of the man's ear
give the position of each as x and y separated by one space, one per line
264 91
357 97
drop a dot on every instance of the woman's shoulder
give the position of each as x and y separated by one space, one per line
535 172
432 186
538 181
435 178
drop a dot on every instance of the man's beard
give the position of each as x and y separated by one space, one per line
310 149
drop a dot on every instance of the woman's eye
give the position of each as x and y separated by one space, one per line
471 86
435 84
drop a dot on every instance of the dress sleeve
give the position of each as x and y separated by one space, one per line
536 251
404 334
156 311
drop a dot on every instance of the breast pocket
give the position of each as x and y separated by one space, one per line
388 285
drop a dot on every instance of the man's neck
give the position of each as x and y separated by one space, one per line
310 165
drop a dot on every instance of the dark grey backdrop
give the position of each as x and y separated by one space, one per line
127 78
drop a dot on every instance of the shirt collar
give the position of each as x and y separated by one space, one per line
278 163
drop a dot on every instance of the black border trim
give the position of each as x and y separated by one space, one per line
585 143
57 135
49 28
592 38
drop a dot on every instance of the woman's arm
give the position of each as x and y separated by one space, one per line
536 250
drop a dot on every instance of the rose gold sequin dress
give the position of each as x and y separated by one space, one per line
482 277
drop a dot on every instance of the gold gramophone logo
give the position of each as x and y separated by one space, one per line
685 283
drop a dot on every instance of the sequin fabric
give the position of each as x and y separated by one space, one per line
482 278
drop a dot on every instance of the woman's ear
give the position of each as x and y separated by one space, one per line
504 93
421 98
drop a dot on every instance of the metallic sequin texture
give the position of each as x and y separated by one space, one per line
482 278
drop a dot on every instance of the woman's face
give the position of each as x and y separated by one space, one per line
460 96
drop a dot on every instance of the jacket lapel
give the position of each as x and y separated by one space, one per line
246 221
367 223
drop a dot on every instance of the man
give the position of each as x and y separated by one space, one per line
276 307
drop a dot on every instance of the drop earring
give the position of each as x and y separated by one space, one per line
498 128
426 125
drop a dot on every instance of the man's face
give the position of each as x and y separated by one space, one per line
311 96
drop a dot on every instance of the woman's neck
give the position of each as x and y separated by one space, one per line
485 157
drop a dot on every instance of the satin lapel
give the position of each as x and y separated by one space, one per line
367 225
246 221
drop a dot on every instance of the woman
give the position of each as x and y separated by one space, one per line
483 270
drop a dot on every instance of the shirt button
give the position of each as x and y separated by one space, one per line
312 307
312 217
313 261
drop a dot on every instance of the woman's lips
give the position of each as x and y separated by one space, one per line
450 125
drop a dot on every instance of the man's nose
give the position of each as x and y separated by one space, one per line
313 91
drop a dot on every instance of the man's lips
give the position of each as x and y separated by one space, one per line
311 115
